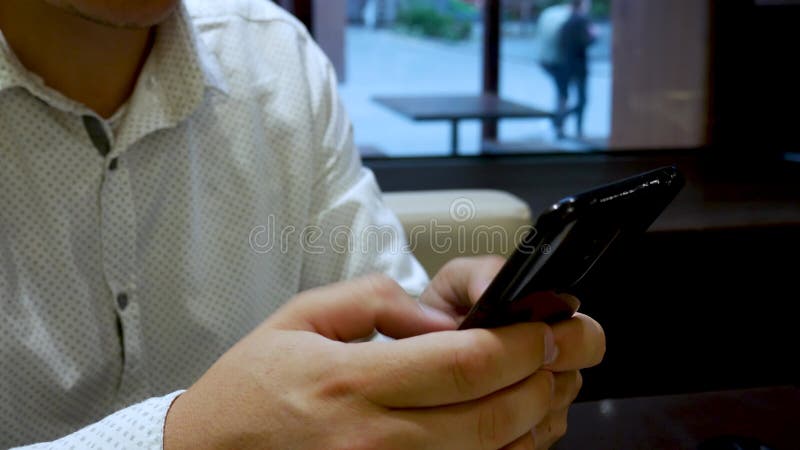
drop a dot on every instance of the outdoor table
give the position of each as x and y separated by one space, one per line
457 108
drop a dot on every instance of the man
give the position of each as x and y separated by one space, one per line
548 32
576 37
171 174
564 34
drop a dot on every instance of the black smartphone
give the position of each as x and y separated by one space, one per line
565 243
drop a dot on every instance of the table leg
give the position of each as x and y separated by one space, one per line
454 137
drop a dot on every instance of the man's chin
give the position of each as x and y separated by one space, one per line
119 13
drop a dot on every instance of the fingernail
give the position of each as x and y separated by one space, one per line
571 300
550 349
434 313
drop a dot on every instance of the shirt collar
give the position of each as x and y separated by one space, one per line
177 78
180 61
9 76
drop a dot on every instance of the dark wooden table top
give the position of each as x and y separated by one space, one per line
684 421
734 194
459 107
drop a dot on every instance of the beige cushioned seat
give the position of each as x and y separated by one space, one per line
442 225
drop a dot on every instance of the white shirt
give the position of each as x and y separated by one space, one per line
548 31
231 183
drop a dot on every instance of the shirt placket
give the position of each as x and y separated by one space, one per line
118 236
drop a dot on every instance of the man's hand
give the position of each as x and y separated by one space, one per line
580 340
296 383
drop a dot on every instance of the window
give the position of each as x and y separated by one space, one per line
411 49
433 77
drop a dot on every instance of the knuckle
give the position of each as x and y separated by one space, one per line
465 262
537 332
384 287
560 426
337 383
528 444
551 430
358 440
578 381
551 385
338 379
337 387
549 382
471 363
492 260
456 265
567 388
457 262
494 425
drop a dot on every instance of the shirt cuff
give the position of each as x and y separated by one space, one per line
140 426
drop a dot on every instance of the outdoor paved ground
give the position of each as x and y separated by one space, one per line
385 62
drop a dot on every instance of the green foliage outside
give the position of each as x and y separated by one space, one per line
601 9
453 19
453 22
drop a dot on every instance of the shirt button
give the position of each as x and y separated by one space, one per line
150 82
122 300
